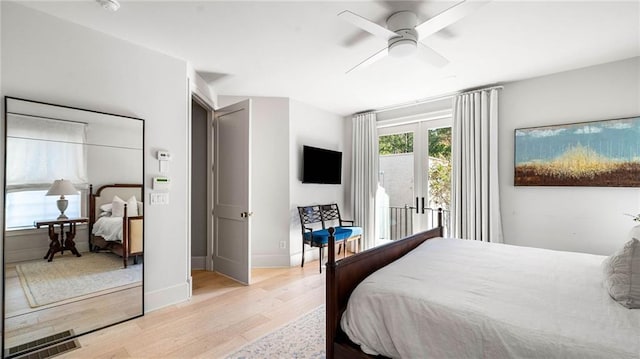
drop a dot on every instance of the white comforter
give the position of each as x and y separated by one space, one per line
109 228
452 298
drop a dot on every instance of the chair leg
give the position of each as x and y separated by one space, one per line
320 259
302 264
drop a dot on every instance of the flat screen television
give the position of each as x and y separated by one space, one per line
320 165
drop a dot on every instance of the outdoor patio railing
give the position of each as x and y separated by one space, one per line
401 220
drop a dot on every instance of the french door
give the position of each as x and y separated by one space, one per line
415 177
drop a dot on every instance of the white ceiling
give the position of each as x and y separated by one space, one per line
299 49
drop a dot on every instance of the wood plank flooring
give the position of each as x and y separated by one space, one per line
221 317
24 324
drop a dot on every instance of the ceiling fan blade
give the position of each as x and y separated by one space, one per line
367 25
448 17
431 56
371 59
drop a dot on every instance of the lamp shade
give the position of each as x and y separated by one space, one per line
62 187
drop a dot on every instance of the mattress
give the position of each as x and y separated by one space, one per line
452 298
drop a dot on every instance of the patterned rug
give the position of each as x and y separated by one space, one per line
301 339
68 277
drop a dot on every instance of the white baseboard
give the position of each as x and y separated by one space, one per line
309 255
269 261
165 297
198 262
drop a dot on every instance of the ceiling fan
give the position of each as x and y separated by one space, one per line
404 34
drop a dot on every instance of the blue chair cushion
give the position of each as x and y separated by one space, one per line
321 236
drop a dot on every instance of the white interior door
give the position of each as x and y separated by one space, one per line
231 212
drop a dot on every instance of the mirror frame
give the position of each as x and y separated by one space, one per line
4 194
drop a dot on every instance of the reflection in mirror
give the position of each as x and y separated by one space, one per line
73 236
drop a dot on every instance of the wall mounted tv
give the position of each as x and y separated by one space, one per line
320 165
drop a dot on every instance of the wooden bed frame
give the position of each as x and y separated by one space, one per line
132 227
344 275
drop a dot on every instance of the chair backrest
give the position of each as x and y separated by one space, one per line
310 215
330 212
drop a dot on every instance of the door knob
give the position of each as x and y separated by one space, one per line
246 214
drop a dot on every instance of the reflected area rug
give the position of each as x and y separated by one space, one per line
70 277
302 338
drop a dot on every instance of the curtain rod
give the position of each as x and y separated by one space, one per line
428 99
496 87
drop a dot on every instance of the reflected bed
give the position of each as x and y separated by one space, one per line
113 229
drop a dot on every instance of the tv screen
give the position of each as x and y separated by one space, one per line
320 165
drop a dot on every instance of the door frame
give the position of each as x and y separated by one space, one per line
210 178
209 106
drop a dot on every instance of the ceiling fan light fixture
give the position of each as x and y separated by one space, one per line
403 48
111 5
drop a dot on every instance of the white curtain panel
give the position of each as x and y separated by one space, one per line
475 209
364 176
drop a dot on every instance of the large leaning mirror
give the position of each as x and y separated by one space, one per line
73 216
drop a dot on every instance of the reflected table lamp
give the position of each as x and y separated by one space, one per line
62 188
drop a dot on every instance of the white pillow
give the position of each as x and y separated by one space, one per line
132 207
622 274
106 207
117 207
140 208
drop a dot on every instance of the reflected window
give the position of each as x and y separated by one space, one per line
39 151
25 207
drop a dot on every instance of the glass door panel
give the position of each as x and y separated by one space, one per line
396 195
437 173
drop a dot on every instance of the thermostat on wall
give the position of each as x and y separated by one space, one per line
163 158
161 183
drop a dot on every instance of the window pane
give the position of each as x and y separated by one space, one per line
396 178
23 208
398 143
439 167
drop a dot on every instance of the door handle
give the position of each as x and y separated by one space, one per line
246 214
422 205
417 208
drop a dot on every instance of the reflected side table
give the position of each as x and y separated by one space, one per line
61 241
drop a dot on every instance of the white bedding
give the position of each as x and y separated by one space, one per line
109 228
452 298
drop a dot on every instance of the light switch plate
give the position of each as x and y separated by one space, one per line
159 198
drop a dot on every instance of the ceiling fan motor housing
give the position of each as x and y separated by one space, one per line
403 23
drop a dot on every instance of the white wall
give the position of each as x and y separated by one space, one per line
51 60
318 128
582 219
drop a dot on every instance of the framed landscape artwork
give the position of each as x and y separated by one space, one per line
599 153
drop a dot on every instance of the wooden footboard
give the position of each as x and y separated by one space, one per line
344 275
131 236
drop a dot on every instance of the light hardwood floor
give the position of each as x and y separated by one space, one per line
221 317
24 324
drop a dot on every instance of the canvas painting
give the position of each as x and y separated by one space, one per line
600 153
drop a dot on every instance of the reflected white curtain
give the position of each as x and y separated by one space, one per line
42 150
364 176
475 209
